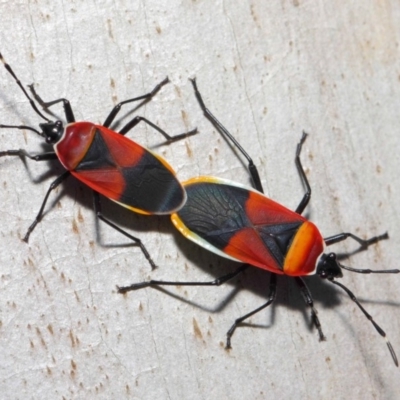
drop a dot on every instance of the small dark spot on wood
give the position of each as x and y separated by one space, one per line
196 328
188 150
80 216
110 33
71 336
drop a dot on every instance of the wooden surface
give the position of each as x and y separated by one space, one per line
267 72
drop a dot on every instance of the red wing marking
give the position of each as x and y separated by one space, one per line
247 246
124 151
108 182
126 172
261 210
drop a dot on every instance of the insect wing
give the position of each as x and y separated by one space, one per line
237 222
129 174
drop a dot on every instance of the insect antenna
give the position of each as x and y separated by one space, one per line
32 103
369 317
22 127
370 271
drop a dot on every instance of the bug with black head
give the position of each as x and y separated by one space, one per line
244 225
108 162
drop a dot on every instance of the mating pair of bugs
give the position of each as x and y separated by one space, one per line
229 219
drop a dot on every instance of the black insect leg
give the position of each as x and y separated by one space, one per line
146 97
37 157
137 241
271 299
369 317
69 115
252 168
131 124
53 186
309 301
216 282
307 196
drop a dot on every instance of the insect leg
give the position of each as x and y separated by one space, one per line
146 97
309 301
39 216
37 157
216 282
306 198
369 317
69 115
137 241
252 168
271 299
131 124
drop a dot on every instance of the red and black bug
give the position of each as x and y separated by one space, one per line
244 225
106 161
